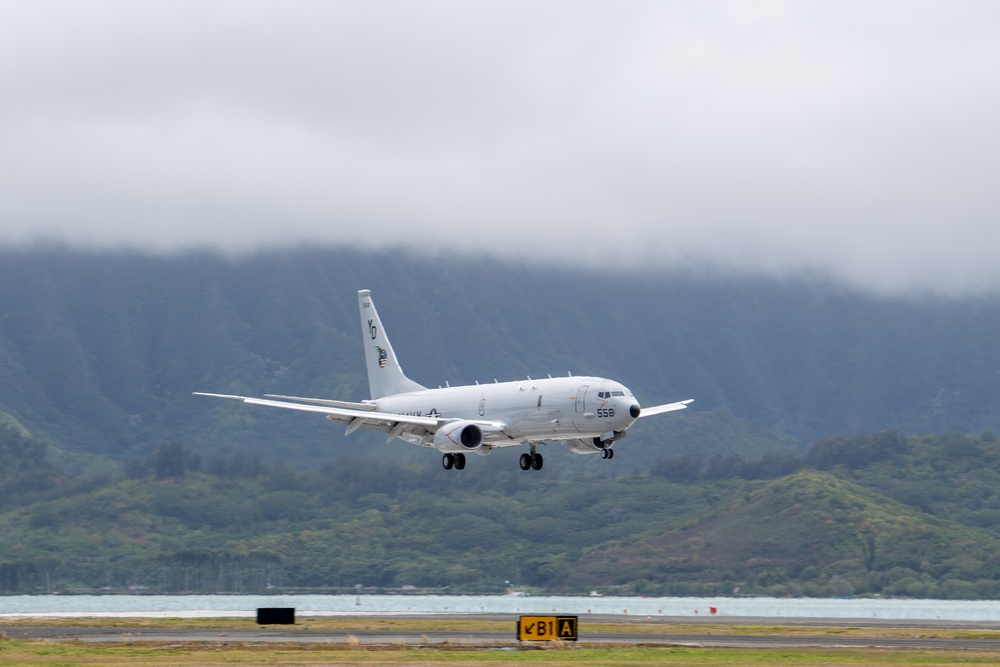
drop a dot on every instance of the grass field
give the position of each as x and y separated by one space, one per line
45 654
347 624
69 653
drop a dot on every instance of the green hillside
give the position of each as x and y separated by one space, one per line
188 523
113 475
99 352
809 534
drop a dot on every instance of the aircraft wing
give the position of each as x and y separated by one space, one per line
363 416
660 409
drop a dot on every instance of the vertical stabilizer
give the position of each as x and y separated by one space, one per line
385 377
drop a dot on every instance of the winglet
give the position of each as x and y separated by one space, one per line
205 393
660 409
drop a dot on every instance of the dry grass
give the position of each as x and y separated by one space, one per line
76 654
418 625
352 651
346 624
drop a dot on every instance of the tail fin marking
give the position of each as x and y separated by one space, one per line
385 377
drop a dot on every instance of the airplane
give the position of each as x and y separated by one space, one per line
588 414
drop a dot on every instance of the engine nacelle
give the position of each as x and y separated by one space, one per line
459 436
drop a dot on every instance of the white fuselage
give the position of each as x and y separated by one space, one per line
588 414
562 408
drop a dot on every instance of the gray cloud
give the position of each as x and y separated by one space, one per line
850 139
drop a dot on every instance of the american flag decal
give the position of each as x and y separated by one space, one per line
382 357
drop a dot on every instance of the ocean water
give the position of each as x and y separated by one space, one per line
342 605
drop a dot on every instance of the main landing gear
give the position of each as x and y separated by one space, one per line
456 461
532 461
607 453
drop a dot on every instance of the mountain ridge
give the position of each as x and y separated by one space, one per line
99 352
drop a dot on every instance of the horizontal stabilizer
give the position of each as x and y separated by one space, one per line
660 409
326 401
366 418
349 413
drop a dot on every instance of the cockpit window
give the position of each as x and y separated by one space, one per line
602 394
618 393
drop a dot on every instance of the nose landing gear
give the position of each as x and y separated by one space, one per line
605 445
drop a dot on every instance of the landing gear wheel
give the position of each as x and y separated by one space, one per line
537 461
604 453
611 453
459 461
448 461
525 461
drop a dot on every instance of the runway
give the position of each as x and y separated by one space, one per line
622 636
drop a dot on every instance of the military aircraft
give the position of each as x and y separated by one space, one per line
588 414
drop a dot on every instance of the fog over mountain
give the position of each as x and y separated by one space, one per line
846 140
99 352
114 476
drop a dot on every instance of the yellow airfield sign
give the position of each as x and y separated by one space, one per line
546 628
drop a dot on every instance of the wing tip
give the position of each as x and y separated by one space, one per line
205 393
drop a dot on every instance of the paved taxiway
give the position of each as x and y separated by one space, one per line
299 635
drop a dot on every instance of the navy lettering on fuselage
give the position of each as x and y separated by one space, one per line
415 413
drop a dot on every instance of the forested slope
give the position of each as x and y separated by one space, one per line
99 352
864 514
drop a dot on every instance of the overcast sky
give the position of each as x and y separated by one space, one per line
858 140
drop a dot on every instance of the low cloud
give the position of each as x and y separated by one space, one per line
852 140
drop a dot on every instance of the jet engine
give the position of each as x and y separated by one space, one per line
459 436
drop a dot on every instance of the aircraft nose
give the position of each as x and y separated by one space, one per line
634 411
